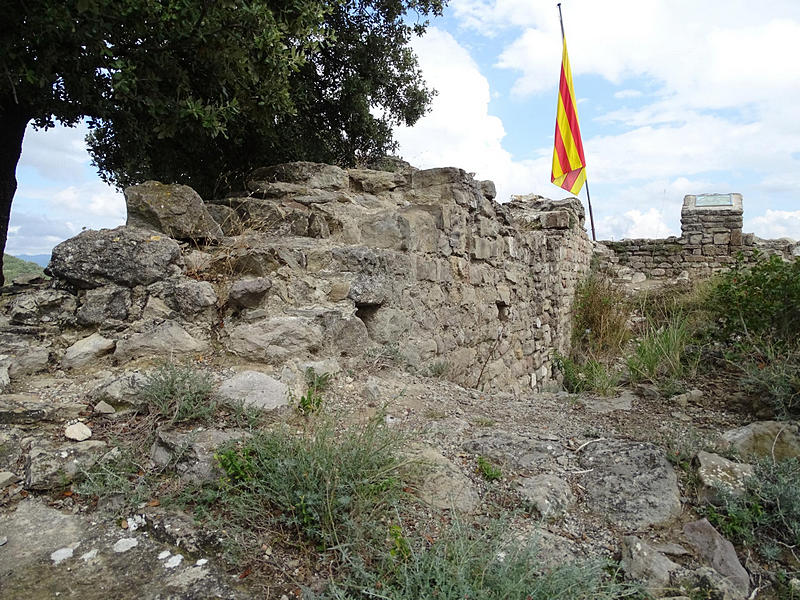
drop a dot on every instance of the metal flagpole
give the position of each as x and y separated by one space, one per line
585 183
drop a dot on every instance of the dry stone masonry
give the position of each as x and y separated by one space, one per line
318 262
711 241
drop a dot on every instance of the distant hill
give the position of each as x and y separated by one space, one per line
14 267
39 259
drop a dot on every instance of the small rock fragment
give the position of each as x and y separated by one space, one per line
61 555
7 478
78 432
104 408
174 561
125 544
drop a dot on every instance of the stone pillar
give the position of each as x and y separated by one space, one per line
711 224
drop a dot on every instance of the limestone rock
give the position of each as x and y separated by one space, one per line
375 182
307 174
7 478
254 389
762 438
194 296
24 409
273 340
42 306
641 562
104 408
606 405
716 472
28 360
126 256
443 485
86 350
176 210
104 304
78 432
518 451
165 339
124 388
631 483
718 552
549 495
228 219
5 377
52 465
192 454
248 292
51 554
708 583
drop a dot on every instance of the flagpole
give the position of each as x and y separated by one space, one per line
586 183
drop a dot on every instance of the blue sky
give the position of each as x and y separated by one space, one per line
675 97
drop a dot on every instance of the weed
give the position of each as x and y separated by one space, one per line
664 352
600 325
438 369
118 475
318 486
477 564
179 394
384 356
483 422
311 401
400 546
774 371
591 376
487 470
767 516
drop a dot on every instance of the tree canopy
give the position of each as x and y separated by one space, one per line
201 91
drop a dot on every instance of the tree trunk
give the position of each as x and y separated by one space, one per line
12 129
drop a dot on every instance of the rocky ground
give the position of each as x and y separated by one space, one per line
592 475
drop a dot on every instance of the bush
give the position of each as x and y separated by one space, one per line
762 299
601 311
327 488
590 376
311 401
487 470
479 565
767 516
773 372
179 394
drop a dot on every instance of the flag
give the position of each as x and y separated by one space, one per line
569 164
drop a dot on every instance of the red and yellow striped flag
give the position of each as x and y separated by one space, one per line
569 165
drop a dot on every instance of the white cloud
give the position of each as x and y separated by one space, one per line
36 234
636 224
776 224
622 94
459 131
57 153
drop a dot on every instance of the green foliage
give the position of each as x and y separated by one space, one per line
601 311
311 400
476 564
118 475
773 371
438 369
590 376
760 300
767 516
663 352
323 486
13 267
488 471
179 394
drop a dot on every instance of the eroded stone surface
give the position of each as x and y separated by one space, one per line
631 483
254 389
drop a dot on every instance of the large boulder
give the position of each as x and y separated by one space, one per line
165 339
126 256
176 210
253 389
631 483
276 339
765 439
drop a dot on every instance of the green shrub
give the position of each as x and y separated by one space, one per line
119 475
600 323
489 471
762 299
590 376
773 371
663 352
767 516
179 394
475 564
327 487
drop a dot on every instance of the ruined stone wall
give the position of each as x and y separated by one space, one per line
315 263
711 241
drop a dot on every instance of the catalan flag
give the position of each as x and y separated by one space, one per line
569 164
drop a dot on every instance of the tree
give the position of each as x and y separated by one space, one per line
186 90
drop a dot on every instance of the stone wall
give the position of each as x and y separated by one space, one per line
314 263
711 241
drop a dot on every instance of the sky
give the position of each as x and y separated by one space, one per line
675 97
